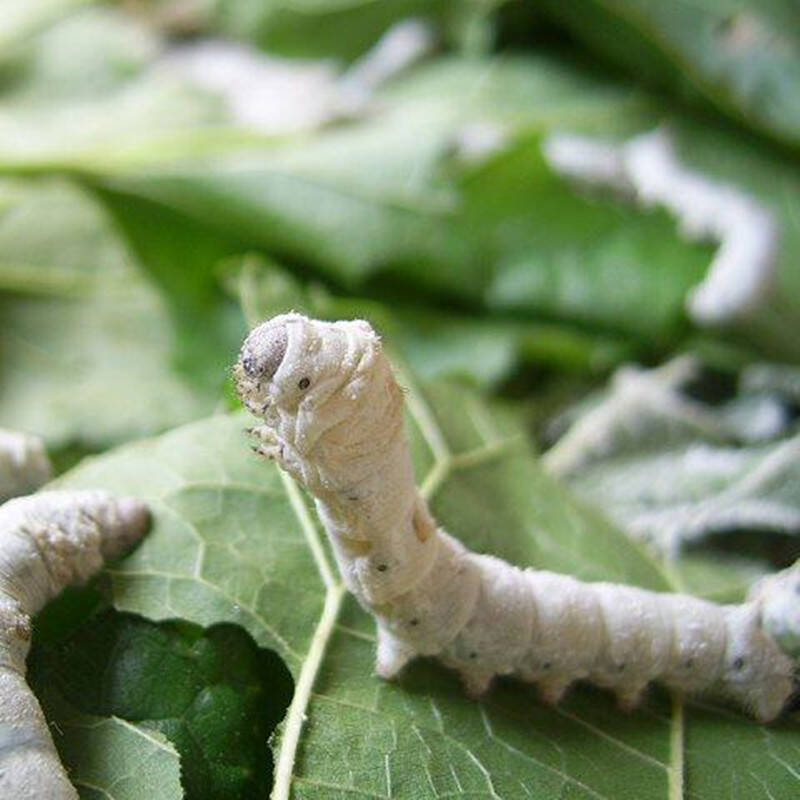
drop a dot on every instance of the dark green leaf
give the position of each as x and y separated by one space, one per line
213 694
742 58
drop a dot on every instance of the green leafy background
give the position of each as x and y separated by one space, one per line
143 229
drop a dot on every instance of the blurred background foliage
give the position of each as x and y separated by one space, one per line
140 207
173 171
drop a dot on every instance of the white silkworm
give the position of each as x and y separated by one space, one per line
401 46
24 465
334 419
279 96
744 266
47 542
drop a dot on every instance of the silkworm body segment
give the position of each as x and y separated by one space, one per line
342 436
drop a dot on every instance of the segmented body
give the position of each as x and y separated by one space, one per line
334 419
47 542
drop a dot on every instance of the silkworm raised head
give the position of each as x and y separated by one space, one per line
333 417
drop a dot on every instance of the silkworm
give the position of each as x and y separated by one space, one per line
743 271
333 418
47 542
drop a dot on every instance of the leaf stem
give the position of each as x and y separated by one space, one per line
302 695
676 745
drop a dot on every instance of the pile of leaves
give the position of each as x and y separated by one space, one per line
147 221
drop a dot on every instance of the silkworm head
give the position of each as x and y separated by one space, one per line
291 359
261 355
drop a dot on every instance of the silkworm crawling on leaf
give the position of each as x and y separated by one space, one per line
47 542
333 418
24 465
743 271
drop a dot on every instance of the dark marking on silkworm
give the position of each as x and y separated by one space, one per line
249 366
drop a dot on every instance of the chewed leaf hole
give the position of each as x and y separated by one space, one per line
212 692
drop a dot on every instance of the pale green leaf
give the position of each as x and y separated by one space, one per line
90 80
87 346
18 21
109 758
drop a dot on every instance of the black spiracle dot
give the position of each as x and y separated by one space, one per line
473 654
382 567
738 663
546 665
414 622
303 384
621 667
689 663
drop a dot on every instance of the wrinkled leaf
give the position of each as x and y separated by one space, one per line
234 540
87 54
672 469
